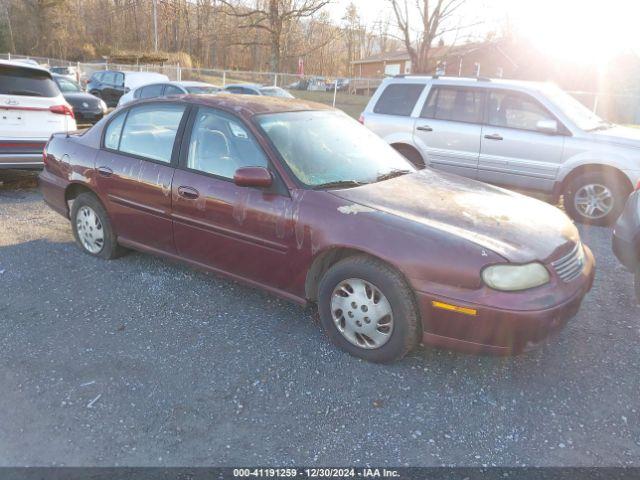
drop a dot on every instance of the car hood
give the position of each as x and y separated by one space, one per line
618 135
519 228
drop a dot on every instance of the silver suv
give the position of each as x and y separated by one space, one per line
518 134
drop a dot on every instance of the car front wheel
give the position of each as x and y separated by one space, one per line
367 309
595 198
91 228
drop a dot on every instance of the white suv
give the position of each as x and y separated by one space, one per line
31 109
518 134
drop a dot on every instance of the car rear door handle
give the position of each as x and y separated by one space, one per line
424 128
105 171
188 192
493 136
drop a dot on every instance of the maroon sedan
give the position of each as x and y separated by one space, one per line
301 200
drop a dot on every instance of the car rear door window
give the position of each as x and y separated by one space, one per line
399 99
150 131
15 80
151 91
454 104
515 110
220 144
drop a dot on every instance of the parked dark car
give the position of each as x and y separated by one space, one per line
110 85
301 200
626 237
87 108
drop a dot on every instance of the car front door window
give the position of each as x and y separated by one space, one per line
219 145
515 110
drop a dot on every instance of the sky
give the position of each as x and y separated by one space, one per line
584 31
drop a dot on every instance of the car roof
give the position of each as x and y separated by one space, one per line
245 105
248 85
17 63
467 81
192 83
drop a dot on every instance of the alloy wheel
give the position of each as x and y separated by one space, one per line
593 201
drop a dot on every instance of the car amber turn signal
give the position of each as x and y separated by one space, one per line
454 308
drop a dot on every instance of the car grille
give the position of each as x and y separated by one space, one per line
571 265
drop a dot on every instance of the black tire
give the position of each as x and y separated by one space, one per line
618 189
110 248
406 324
411 154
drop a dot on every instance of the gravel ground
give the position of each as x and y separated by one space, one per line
140 361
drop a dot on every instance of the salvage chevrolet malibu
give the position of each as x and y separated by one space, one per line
299 199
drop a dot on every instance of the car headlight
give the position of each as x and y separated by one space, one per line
510 278
103 106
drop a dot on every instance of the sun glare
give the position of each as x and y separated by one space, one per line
577 31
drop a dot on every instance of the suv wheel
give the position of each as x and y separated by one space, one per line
91 228
595 198
367 309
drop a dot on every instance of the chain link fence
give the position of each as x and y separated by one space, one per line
350 94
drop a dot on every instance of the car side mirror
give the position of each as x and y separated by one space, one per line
547 126
252 177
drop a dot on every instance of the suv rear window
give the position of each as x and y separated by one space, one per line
29 82
399 99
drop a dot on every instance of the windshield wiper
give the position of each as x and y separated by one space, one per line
391 174
30 93
339 184
602 126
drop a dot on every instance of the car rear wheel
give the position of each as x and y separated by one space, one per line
595 198
91 228
367 309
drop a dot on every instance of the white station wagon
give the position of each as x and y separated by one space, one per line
525 135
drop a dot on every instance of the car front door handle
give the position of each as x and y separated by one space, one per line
493 136
105 171
188 192
424 128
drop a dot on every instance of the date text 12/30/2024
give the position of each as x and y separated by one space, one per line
315 472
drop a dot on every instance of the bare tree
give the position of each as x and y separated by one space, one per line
274 16
434 21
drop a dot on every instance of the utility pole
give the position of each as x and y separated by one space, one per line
155 24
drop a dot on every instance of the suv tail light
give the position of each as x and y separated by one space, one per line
361 119
62 110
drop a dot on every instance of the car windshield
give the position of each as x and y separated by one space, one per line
579 114
61 70
329 149
67 85
203 89
275 92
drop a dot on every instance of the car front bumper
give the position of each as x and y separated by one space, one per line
503 330
626 234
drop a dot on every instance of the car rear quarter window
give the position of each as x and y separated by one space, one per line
172 90
114 129
150 131
15 80
454 104
151 91
399 99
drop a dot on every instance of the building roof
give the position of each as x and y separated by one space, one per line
436 52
